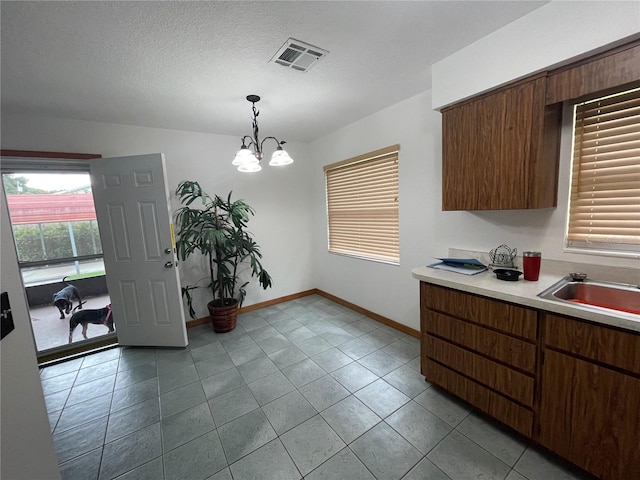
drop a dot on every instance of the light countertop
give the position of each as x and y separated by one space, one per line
524 293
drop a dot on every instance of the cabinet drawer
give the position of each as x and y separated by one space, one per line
607 345
502 347
511 383
507 318
499 407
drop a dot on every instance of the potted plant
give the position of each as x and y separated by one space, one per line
216 228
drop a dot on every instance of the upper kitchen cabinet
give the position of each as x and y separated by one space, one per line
500 150
610 70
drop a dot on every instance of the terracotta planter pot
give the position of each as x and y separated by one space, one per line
223 318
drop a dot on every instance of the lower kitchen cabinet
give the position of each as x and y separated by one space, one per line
590 415
590 396
481 350
570 385
493 404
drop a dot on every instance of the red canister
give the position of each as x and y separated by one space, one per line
531 265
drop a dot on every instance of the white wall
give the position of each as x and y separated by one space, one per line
551 34
385 289
26 445
425 230
282 226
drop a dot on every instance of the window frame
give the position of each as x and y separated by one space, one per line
629 250
365 247
26 161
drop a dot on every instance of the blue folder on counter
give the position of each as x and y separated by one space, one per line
466 266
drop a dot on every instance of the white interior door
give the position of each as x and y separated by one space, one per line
132 205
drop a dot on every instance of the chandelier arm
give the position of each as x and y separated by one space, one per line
246 144
273 138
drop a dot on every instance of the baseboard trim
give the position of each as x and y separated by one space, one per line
370 314
257 306
197 321
286 298
275 301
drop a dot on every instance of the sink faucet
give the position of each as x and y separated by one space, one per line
578 277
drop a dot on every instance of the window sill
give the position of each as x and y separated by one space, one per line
603 253
363 257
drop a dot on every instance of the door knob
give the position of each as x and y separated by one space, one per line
168 250
168 265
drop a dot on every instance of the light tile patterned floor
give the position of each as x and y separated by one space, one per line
303 389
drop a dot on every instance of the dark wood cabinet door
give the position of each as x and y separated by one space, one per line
504 348
500 151
612 69
617 348
486 146
504 317
590 415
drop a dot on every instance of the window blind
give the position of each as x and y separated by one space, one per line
362 205
604 209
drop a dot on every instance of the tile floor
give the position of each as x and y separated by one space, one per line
304 389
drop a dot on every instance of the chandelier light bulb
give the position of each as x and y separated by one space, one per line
250 167
280 157
244 155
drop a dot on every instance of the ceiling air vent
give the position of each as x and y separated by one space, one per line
298 55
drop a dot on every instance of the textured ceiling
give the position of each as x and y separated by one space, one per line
190 65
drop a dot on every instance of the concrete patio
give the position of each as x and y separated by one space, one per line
51 331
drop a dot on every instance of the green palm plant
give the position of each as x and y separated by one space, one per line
215 227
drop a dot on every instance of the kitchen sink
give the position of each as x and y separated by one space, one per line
588 293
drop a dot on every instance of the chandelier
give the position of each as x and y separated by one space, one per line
249 156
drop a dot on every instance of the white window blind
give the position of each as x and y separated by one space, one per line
604 208
362 205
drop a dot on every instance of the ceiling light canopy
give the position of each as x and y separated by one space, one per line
249 156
